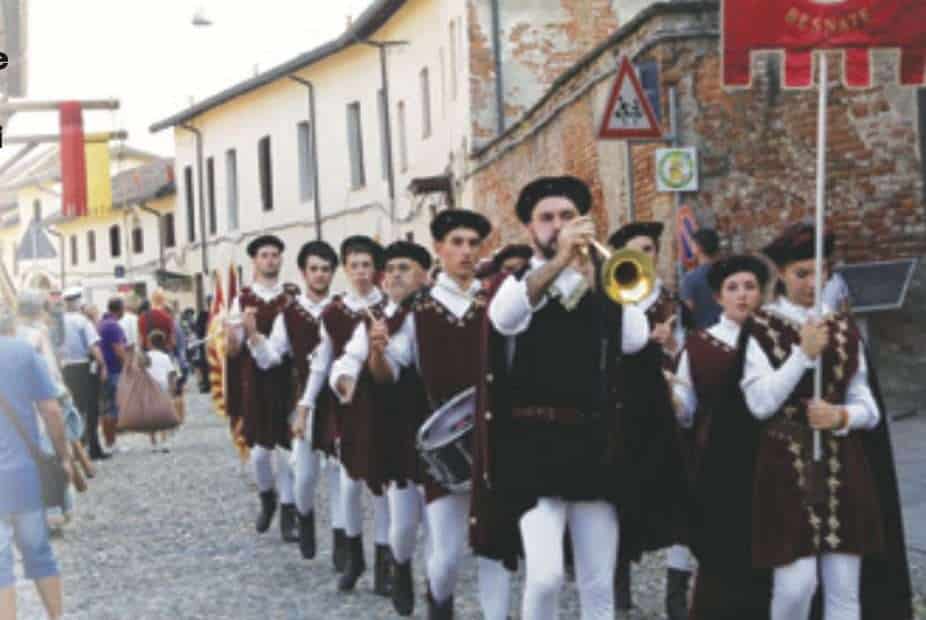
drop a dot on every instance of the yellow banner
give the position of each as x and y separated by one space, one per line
99 182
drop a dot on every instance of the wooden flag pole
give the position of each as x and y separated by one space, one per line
818 252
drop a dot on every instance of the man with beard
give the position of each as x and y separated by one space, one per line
402 408
265 393
442 337
361 257
551 436
295 334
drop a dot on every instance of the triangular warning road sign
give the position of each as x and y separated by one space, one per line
628 113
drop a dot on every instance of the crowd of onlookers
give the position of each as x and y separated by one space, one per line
61 361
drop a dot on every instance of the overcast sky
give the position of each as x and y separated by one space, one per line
147 54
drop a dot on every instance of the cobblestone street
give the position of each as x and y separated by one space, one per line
171 536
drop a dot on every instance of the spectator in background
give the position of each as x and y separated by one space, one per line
696 293
161 368
156 318
202 328
113 345
180 357
81 345
26 387
129 320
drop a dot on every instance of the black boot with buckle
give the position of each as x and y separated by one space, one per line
307 535
338 550
355 565
677 594
268 507
289 524
403 589
382 571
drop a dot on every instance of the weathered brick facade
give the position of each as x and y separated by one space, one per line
757 147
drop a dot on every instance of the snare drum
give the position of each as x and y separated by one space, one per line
445 442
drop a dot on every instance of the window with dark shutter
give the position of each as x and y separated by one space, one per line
91 246
138 240
115 241
210 193
306 162
358 177
231 187
73 249
190 207
170 239
266 173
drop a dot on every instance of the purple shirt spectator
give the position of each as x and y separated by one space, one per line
111 334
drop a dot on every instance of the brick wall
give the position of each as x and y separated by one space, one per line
540 39
757 149
757 153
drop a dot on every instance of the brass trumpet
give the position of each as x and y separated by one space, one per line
628 276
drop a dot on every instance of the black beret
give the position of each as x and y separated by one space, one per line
320 249
708 240
625 233
737 263
255 245
407 249
797 242
513 250
566 187
451 219
361 244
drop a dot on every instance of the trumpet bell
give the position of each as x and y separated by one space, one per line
628 276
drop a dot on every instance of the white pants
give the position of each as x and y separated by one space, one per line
680 558
448 519
406 512
352 508
306 470
333 474
262 463
796 583
594 529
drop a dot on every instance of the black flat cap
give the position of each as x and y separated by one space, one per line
320 249
451 219
737 263
407 249
362 244
512 250
566 187
625 233
797 242
265 240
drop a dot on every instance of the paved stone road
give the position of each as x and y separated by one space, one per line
165 536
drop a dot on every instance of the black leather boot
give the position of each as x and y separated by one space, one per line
382 571
307 535
338 550
268 506
355 565
289 523
677 594
403 589
442 611
623 599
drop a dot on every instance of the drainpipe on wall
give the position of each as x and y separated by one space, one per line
499 83
318 195
157 215
202 203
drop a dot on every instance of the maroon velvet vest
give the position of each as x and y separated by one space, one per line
304 333
449 348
